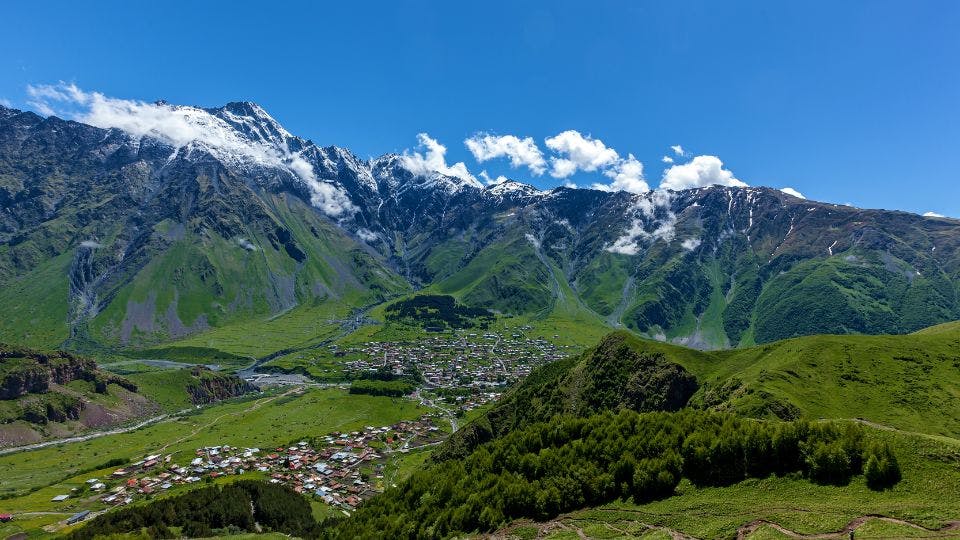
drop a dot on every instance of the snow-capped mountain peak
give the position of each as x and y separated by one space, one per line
512 188
253 122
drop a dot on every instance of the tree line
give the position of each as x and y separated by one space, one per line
568 463
438 310
210 510
537 472
395 388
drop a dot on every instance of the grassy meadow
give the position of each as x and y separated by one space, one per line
31 479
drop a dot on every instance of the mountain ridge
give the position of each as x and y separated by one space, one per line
105 219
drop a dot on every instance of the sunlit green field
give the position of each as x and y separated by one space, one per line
29 480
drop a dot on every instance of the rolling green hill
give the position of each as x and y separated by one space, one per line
909 382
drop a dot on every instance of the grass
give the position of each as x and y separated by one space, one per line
166 387
909 382
403 465
928 495
300 327
35 306
35 477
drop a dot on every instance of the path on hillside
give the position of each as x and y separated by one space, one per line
93 435
885 427
134 427
571 523
745 530
259 403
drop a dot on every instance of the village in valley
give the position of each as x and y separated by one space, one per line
448 373
463 363
455 372
339 469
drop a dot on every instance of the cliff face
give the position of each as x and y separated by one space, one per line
26 371
33 385
210 386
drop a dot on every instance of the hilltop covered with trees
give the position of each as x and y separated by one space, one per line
568 463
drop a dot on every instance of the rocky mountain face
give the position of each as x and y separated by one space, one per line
41 390
124 239
27 371
208 386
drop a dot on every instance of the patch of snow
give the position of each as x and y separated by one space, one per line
690 244
533 240
246 244
366 235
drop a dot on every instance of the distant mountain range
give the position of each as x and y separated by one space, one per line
128 239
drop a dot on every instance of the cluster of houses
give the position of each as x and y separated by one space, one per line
466 360
341 469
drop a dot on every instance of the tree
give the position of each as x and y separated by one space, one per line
881 469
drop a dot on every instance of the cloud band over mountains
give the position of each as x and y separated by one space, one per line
184 127
562 156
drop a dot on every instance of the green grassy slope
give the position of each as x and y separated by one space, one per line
907 382
910 382
926 496
35 309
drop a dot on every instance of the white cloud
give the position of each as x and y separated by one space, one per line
522 152
627 176
678 150
791 191
181 126
666 159
690 244
646 225
6 103
699 172
578 153
367 235
533 240
932 214
569 184
492 181
92 244
562 168
433 159
246 244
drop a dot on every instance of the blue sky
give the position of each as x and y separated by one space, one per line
846 102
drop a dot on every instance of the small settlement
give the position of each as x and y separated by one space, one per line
341 469
477 364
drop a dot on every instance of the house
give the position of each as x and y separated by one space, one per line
78 517
59 498
6 518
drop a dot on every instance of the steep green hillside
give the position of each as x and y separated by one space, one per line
36 304
919 506
506 276
546 469
907 382
206 281
610 376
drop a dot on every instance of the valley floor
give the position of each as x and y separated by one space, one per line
32 479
